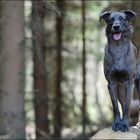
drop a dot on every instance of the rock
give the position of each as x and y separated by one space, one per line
108 134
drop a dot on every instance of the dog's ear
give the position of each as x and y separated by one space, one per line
105 16
130 14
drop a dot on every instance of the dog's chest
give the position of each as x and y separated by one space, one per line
118 61
119 55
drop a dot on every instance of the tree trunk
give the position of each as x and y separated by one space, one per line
136 7
12 69
39 55
58 92
83 69
2 129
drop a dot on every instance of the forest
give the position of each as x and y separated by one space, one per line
52 82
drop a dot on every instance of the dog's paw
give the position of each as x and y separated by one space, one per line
124 126
116 125
138 125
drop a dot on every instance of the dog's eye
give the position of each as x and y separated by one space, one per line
111 20
122 19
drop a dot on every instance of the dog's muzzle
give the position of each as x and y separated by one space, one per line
117 33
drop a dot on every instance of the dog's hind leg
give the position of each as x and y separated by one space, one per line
137 84
113 95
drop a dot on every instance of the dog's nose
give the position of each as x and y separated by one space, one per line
116 27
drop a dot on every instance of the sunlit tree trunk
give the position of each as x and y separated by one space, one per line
12 68
58 91
84 101
39 55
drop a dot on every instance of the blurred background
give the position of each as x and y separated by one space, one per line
52 83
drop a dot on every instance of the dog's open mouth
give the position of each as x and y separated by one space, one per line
117 36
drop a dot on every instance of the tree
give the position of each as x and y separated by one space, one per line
58 91
84 102
135 7
39 56
12 70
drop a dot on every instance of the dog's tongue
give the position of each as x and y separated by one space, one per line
117 36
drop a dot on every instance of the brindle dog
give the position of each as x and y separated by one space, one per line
121 64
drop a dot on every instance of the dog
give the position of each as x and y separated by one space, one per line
121 65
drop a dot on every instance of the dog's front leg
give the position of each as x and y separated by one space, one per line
126 107
113 94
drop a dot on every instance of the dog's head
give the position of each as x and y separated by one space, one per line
118 23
